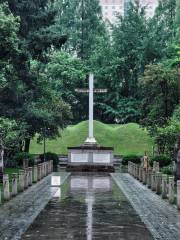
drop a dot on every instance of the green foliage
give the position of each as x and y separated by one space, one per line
20 156
168 136
160 93
50 156
131 158
162 159
167 170
66 73
11 134
82 22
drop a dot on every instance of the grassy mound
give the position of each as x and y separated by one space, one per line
126 139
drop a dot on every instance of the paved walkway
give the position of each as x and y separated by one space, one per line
162 219
17 214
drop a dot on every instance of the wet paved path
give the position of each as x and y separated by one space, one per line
17 214
161 218
89 207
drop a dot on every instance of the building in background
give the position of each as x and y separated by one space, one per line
112 8
150 5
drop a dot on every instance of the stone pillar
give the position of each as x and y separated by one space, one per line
35 174
51 165
149 178
6 187
30 176
26 178
178 194
143 176
14 184
171 190
140 173
153 182
21 180
164 186
158 182
154 166
157 167
39 171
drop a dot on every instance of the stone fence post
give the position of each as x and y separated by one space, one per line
6 187
51 161
164 186
21 180
149 178
30 176
14 184
26 178
153 181
158 182
35 174
178 195
39 171
171 190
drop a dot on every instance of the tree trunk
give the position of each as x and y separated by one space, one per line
27 144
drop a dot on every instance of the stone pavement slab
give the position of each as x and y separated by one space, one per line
17 214
162 219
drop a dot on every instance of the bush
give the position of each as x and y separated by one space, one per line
167 170
19 157
162 159
50 156
132 158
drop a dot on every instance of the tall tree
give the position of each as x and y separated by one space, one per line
82 22
36 38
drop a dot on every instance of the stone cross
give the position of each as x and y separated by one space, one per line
91 91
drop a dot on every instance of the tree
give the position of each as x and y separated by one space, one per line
167 137
11 136
82 22
66 73
24 96
177 21
160 94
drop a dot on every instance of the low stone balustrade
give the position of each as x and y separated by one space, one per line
157 182
24 179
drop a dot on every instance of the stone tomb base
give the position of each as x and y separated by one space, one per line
90 158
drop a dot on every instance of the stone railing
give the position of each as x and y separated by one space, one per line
23 180
162 184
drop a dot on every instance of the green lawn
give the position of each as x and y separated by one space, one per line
126 139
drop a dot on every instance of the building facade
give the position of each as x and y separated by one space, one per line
112 8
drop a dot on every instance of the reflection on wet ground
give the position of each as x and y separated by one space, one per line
88 207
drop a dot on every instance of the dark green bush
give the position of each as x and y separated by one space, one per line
19 157
167 170
50 156
162 159
132 158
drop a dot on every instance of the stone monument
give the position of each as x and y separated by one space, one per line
90 156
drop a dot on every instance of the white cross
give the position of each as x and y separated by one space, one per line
91 139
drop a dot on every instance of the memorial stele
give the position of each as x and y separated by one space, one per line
90 156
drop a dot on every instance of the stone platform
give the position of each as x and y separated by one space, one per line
94 158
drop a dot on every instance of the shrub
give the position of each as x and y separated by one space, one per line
132 158
162 159
19 157
167 170
50 156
